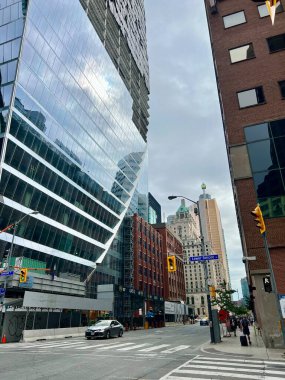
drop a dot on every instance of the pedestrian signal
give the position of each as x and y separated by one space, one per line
267 284
23 275
171 263
259 219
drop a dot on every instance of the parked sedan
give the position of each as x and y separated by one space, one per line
105 329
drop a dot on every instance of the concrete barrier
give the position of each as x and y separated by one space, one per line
45 334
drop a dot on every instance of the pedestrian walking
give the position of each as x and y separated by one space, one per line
245 328
234 324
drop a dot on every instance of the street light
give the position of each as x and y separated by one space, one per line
171 197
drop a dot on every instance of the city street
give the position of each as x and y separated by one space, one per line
141 354
169 353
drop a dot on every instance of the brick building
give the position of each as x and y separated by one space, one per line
174 282
249 56
143 268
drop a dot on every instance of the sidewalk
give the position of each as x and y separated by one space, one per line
231 346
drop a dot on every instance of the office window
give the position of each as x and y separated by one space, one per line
282 88
276 43
251 97
242 53
234 19
263 11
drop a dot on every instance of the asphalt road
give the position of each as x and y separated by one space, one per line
141 354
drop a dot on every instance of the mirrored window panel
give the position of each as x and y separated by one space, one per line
273 207
242 53
276 43
251 97
234 19
263 11
257 132
262 155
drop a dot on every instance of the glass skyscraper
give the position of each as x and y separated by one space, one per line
74 117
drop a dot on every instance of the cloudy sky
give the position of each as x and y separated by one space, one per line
186 140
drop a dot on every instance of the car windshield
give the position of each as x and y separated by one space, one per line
102 323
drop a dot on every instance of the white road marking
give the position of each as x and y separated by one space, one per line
175 349
133 347
227 374
115 346
154 348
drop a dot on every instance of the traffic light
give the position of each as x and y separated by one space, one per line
212 291
23 275
267 284
171 263
259 219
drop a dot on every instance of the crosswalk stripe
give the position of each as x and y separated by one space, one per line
46 345
223 374
115 346
175 349
133 347
231 360
62 345
86 347
223 368
229 363
154 348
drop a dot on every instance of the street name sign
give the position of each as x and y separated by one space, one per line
204 258
10 273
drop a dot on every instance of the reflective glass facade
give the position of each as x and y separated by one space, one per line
70 145
265 144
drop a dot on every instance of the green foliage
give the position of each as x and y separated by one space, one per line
224 300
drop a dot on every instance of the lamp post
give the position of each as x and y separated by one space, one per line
14 226
171 197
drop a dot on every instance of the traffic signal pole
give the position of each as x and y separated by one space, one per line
209 305
257 213
274 287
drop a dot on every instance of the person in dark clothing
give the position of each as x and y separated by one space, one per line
245 328
234 324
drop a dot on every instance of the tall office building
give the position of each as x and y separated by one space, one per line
214 234
74 116
249 54
185 226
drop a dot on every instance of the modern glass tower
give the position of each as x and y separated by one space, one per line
74 116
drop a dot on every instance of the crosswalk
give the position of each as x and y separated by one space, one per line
218 368
84 346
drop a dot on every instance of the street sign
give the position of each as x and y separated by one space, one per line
10 273
204 258
2 291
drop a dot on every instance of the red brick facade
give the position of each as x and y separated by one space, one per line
266 69
148 258
174 282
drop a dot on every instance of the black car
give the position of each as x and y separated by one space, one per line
204 322
105 329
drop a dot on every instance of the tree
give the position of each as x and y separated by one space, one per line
224 300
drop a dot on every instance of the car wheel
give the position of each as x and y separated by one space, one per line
108 335
88 337
120 333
